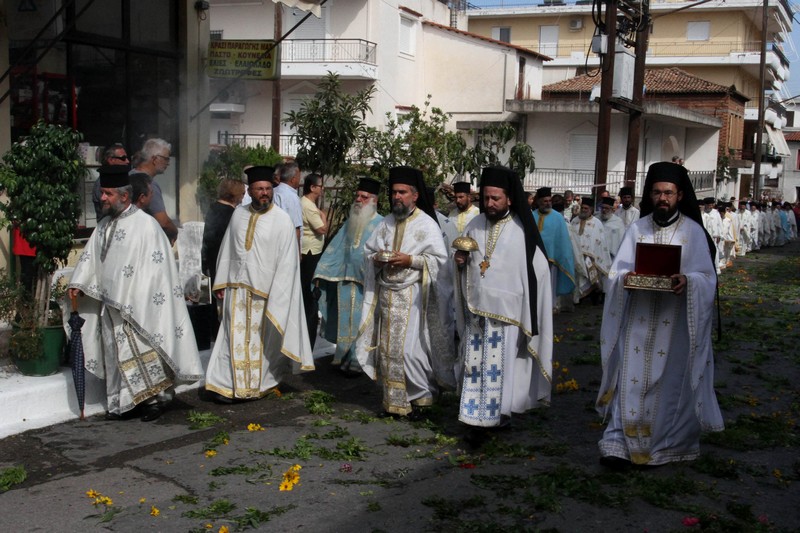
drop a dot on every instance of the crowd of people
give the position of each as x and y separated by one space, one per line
418 301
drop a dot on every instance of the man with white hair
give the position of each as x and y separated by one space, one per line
340 275
613 226
153 160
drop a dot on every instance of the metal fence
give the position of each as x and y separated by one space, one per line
287 145
583 182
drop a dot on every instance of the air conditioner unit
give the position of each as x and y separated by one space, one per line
575 24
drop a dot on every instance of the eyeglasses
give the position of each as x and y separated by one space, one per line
666 194
120 157
164 157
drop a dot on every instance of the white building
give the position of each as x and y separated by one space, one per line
408 50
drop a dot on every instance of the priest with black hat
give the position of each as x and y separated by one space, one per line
464 211
657 392
403 340
263 335
504 308
626 210
340 275
137 336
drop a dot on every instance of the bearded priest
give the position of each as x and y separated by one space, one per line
503 309
657 391
263 335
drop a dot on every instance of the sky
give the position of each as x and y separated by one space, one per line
791 47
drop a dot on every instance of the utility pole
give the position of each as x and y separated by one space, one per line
633 19
276 85
762 78
635 120
606 88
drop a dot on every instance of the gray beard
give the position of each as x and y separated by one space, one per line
606 218
545 210
400 212
114 210
360 216
258 206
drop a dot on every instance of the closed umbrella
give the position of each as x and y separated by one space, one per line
76 354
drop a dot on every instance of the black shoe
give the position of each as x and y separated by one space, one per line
220 399
152 412
475 437
127 415
615 463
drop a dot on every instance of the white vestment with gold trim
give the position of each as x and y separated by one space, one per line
403 339
263 334
658 368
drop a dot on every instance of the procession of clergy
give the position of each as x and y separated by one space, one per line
419 311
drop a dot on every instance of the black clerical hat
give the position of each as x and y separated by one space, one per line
544 192
114 176
259 173
626 191
607 201
369 185
462 186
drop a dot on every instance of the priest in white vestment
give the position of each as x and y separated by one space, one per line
745 222
626 211
504 308
712 223
464 211
755 228
138 336
263 335
403 340
594 251
657 391
613 227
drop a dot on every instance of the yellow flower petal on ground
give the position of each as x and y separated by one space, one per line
142 500
91 493
254 427
223 529
210 453
286 486
154 511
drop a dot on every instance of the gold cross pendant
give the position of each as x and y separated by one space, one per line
484 266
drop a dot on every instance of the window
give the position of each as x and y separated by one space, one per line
698 31
548 40
582 151
501 34
407 43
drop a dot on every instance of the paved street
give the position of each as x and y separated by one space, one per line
361 473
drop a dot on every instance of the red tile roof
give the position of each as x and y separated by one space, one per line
657 81
792 136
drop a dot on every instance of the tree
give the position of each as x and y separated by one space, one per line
41 176
327 126
418 139
491 144
229 162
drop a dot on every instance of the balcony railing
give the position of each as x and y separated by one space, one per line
676 48
328 51
583 182
287 144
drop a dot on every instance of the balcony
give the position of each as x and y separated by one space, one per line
313 58
287 144
583 182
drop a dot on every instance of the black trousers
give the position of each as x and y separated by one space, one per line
308 264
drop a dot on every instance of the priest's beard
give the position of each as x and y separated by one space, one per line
605 217
360 216
261 206
660 214
114 209
400 211
584 216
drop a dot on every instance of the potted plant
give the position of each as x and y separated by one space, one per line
41 176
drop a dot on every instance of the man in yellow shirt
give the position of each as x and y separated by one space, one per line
315 225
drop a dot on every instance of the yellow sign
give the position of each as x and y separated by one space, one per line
243 59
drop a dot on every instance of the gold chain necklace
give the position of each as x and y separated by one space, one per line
492 236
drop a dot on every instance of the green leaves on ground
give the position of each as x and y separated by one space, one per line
203 419
11 476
